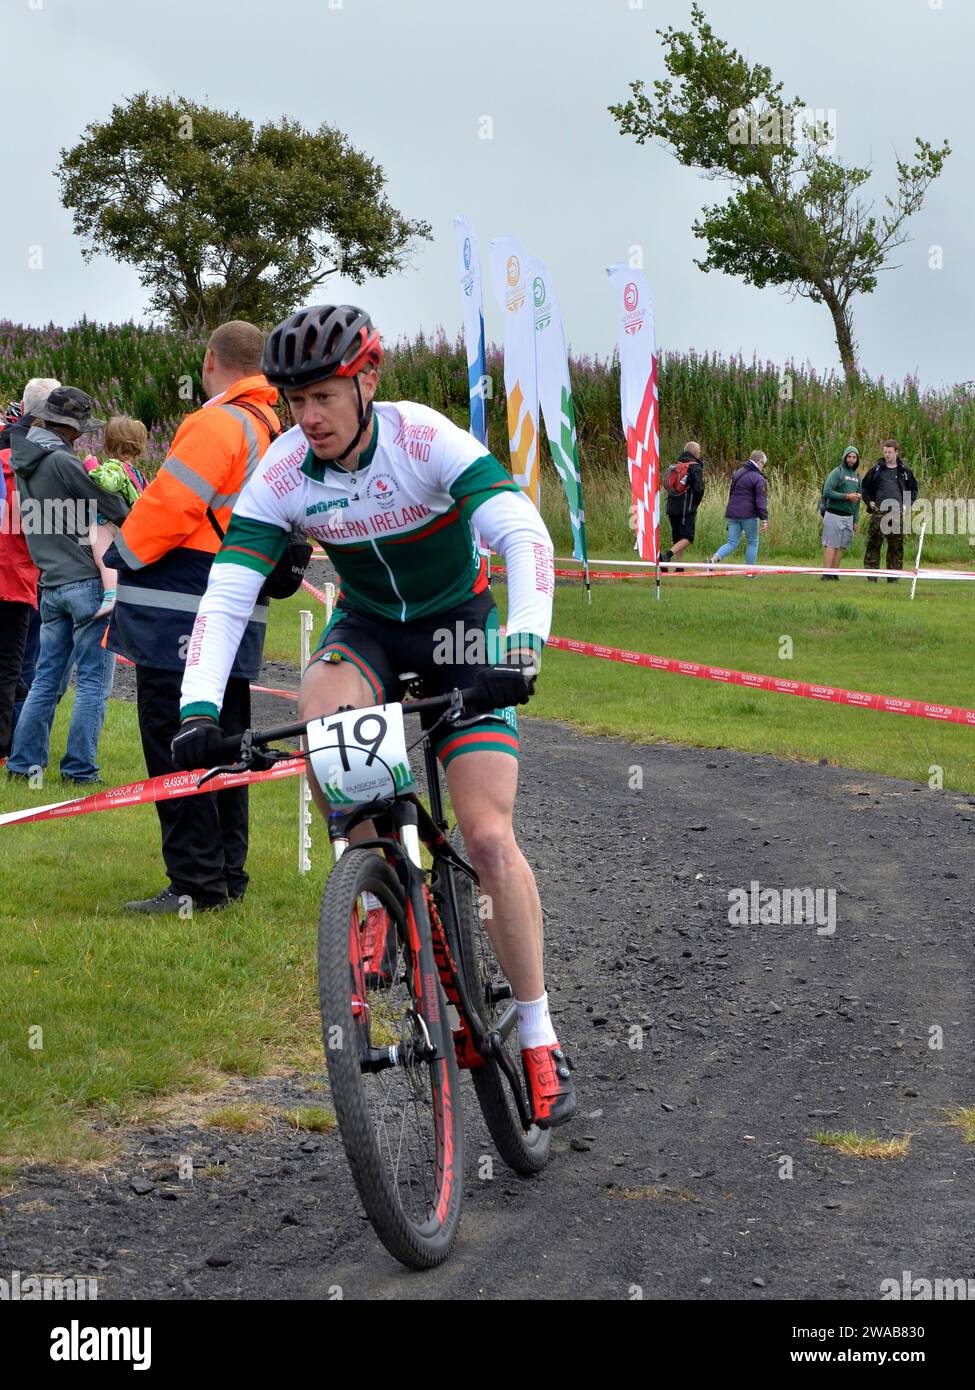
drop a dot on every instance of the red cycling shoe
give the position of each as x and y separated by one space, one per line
547 1073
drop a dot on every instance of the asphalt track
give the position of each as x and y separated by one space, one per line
708 1053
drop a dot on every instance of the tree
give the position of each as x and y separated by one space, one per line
794 218
225 221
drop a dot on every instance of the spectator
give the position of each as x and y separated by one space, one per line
163 554
19 415
18 418
889 490
684 482
18 600
747 508
840 506
58 504
125 438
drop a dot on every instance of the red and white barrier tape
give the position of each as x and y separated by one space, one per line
322 597
643 569
177 784
724 567
165 788
861 699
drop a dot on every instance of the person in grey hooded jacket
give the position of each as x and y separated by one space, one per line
58 504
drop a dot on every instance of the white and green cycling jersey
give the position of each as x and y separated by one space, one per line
397 529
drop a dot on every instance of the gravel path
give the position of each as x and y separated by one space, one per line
708 1054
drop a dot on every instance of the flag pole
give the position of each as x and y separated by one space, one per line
657 569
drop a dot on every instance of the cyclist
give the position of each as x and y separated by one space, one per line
389 490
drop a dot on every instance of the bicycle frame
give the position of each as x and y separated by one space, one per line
412 824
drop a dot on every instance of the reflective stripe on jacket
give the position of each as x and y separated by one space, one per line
166 546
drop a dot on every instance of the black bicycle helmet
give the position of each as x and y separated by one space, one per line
326 340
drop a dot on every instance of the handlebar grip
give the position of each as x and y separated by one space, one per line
496 689
230 748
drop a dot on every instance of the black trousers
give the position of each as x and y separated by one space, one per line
875 539
204 838
14 621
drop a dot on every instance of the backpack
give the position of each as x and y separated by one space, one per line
286 577
676 480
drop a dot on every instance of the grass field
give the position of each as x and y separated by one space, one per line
131 1010
856 635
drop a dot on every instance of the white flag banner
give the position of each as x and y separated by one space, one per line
555 398
469 269
472 303
639 404
509 278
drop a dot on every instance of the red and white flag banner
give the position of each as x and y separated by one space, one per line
639 404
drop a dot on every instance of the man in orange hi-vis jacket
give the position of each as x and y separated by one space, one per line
163 553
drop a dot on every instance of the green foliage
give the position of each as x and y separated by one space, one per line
730 405
794 217
224 221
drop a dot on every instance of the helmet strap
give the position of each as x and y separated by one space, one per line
365 418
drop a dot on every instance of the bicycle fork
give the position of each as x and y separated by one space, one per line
435 1033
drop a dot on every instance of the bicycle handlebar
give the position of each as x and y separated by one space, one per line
481 698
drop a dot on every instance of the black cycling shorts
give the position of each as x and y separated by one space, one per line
443 652
682 527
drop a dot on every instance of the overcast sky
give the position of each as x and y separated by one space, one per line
409 81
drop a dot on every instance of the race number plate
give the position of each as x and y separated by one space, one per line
360 755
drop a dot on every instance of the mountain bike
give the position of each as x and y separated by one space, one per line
396 1037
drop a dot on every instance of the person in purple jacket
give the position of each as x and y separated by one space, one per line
747 508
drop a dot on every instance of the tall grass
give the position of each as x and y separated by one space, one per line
801 420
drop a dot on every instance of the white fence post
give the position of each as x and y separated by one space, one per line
917 559
304 791
306 621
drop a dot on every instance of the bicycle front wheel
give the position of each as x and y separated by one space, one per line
401 1124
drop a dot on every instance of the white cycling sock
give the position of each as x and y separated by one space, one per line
534 1024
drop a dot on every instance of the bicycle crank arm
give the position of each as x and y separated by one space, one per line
495 1042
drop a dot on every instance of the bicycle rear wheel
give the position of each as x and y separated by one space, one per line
401 1126
524 1151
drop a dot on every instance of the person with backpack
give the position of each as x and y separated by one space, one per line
163 555
889 491
839 506
747 508
684 481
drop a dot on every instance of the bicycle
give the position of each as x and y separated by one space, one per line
396 1038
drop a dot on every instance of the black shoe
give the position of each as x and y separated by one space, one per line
873 581
169 901
891 581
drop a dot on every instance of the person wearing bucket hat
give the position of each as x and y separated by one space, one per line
67 405
58 505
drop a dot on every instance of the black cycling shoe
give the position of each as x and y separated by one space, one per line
172 903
